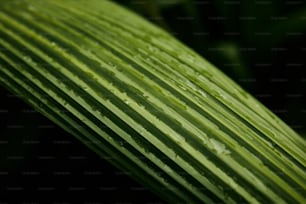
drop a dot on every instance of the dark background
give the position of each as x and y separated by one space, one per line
259 44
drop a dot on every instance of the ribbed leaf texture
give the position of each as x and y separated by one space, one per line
130 90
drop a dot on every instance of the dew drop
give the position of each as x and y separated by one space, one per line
31 8
121 143
159 173
83 120
220 187
90 52
145 96
126 101
111 64
147 150
53 44
27 58
152 48
232 183
244 94
167 169
86 25
187 57
142 131
202 93
183 88
219 147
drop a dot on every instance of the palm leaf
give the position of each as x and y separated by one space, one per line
126 88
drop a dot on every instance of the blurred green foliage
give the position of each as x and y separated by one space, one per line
259 44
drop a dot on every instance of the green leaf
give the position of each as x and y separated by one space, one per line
130 90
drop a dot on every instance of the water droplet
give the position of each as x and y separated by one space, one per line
159 173
27 58
202 173
183 87
147 150
111 64
168 169
200 91
142 131
219 147
152 48
63 50
223 96
187 57
119 68
220 187
244 94
53 44
178 142
145 96
83 120
126 101
86 25
97 43
207 75
232 183
90 52
31 8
